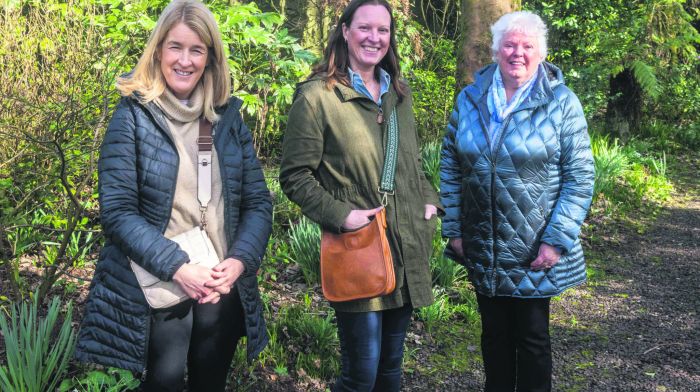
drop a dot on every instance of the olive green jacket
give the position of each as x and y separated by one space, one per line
333 153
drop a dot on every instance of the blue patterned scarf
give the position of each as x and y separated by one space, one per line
500 107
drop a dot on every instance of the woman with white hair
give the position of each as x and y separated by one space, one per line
176 159
516 184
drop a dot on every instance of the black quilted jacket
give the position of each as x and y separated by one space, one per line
138 169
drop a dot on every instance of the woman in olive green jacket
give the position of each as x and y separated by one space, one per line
331 166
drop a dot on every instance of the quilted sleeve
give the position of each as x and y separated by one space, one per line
577 175
122 222
255 219
302 150
451 176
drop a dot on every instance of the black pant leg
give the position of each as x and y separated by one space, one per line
533 345
497 343
167 348
215 334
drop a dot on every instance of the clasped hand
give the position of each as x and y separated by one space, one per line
208 285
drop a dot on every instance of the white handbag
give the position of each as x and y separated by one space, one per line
195 242
161 294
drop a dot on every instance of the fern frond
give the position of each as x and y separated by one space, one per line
646 77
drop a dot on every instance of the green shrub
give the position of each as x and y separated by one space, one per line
466 306
55 98
646 184
311 341
112 380
447 273
440 311
430 157
667 136
284 210
610 163
629 175
432 80
37 353
305 246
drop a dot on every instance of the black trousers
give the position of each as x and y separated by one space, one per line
515 344
200 338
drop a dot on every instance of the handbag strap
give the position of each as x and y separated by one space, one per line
391 153
204 162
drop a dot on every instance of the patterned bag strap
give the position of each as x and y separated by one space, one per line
204 162
391 154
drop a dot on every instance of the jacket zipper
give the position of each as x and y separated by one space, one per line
493 153
499 144
145 351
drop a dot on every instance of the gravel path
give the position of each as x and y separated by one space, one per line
635 327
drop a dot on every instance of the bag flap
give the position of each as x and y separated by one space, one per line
196 243
144 277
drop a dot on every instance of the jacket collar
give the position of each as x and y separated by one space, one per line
541 92
229 111
350 94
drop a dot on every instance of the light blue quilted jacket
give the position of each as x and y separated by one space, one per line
535 187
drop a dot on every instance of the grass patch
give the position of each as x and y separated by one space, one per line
458 353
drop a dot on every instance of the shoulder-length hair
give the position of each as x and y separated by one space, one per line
147 80
334 66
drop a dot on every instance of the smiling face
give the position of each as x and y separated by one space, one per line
183 57
518 58
368 37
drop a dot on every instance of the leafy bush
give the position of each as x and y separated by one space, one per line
610 163
433 83
112 380
667 136
430 156
624 174
311 341
305 244
55 95
37 353
284 210
447 273
440 311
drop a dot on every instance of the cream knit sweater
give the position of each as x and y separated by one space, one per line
183 121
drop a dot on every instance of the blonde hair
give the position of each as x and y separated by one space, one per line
147 80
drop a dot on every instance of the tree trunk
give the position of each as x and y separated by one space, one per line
474 50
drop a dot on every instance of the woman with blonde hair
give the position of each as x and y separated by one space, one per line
150 191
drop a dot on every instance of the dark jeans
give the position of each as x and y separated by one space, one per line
201 338
371 347
515 343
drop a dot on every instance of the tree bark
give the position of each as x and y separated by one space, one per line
474 50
